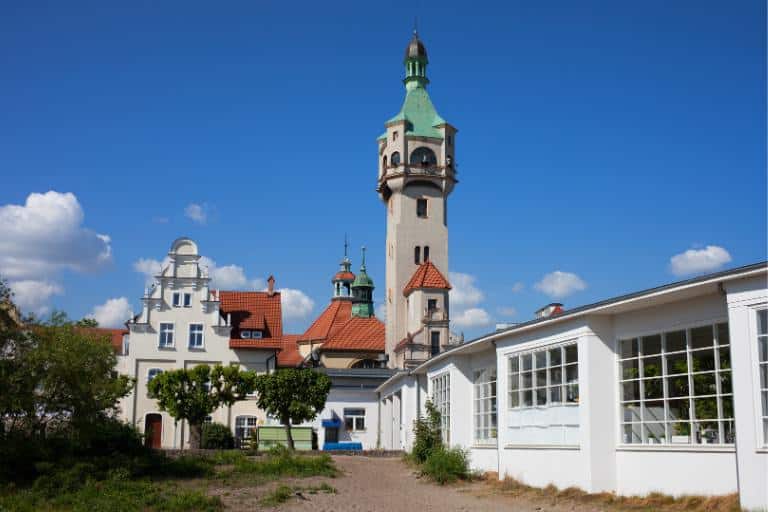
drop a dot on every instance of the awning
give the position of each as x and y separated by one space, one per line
332 423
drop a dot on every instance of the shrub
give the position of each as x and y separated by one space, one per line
427 436
217 437
446 465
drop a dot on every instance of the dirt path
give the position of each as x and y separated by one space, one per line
388 485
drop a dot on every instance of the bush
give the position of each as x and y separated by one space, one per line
217 437
446 465
427 434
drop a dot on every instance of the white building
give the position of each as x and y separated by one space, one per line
663 390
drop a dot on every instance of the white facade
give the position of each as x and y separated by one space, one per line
650 392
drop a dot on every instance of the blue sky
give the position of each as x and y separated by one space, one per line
598 139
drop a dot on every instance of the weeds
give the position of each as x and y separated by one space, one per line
446 465
283 493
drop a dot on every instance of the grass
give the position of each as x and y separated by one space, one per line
656 502
283 493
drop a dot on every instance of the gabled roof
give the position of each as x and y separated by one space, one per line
426 276
358 334
254 310
329 321
289 355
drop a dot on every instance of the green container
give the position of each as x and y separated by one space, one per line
274 435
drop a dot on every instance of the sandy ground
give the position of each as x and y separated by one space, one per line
386 484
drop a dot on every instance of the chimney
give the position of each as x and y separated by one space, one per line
550 310
271 285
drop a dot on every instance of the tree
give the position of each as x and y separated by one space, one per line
193 394
292 395
87 322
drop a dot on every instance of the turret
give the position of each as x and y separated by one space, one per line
362 293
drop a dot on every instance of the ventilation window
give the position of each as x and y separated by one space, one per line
421 208
417 255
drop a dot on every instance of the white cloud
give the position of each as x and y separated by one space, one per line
508 311
296 304
472 317
149 267
464 293
227 277
694 261
559 284
197 212
518 287
381 312
112 313
31 295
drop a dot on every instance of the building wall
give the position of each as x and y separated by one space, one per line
340 399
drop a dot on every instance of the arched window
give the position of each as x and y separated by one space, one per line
423 156
395 159
366 363
426 253
384 162
417 255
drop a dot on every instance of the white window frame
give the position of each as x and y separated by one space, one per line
631 372
187 300
552 382
162 331
353 414
762 371
176 299
441 399
248 426
201 333
485 406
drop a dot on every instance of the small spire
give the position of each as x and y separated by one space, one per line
362 266
416 26
346 245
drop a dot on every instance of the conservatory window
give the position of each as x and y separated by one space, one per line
545 377
762 348
676 387
485 406
441 399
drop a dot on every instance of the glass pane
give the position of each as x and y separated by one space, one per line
680 433
653 388
703 360
705 408
678 410
654 433
725 357
726 405
527 379
765 402
514 365
632 433
572 373
675 341
725 382
629 348
571 354
556 375
555 396
541 396
630 411
514 399
678 386
630 369
555 356
723 338
527 398
571 393
541 359
701 337
652 366
704 384
729 431
762 321
763 348
677 363
652 345
707 432
653 410
541 377
514 382
630 391
527 362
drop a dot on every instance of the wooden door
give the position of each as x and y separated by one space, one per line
153 430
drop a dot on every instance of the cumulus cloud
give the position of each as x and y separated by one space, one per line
464 293
230 277
31 295
296 304
149 267
197 212
113 313
560 284
472 317
694 261
518 287
381 311
508 311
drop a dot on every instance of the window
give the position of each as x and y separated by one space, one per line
256 334
354 419
434 339
195 335
450 140
421 207
426 253
431 305
394 135
244 427
187 300
245 334
384 162
152 373
485 406
762 348
544 396
441 399
395 159
176 299
423 156
166 335
417 255
676 387
366 363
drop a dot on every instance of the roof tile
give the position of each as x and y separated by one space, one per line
358 334
426 276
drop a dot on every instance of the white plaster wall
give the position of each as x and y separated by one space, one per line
540 467
338 400
484 459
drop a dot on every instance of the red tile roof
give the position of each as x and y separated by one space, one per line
289 355
344 276
426 276
254 310
358 334
329 321
115 336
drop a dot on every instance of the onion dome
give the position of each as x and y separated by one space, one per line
415 48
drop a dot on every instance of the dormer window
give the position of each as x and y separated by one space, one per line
187 300
176 299
245 335
256 335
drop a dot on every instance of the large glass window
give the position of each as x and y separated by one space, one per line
485 406
675 387
166 335
762 348
441 398
544 377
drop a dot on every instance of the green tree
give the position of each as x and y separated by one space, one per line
192 394
87 322
293 395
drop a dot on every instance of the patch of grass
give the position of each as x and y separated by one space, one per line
446 465
282 463
655 502
283 493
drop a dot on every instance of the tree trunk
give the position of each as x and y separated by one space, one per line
195 435
289 435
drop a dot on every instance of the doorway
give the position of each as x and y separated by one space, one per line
153 430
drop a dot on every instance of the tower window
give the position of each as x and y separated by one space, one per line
384 162
421 207
423 156
395 159
394 135
417 255
435 342
426 253
450 140
431 305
